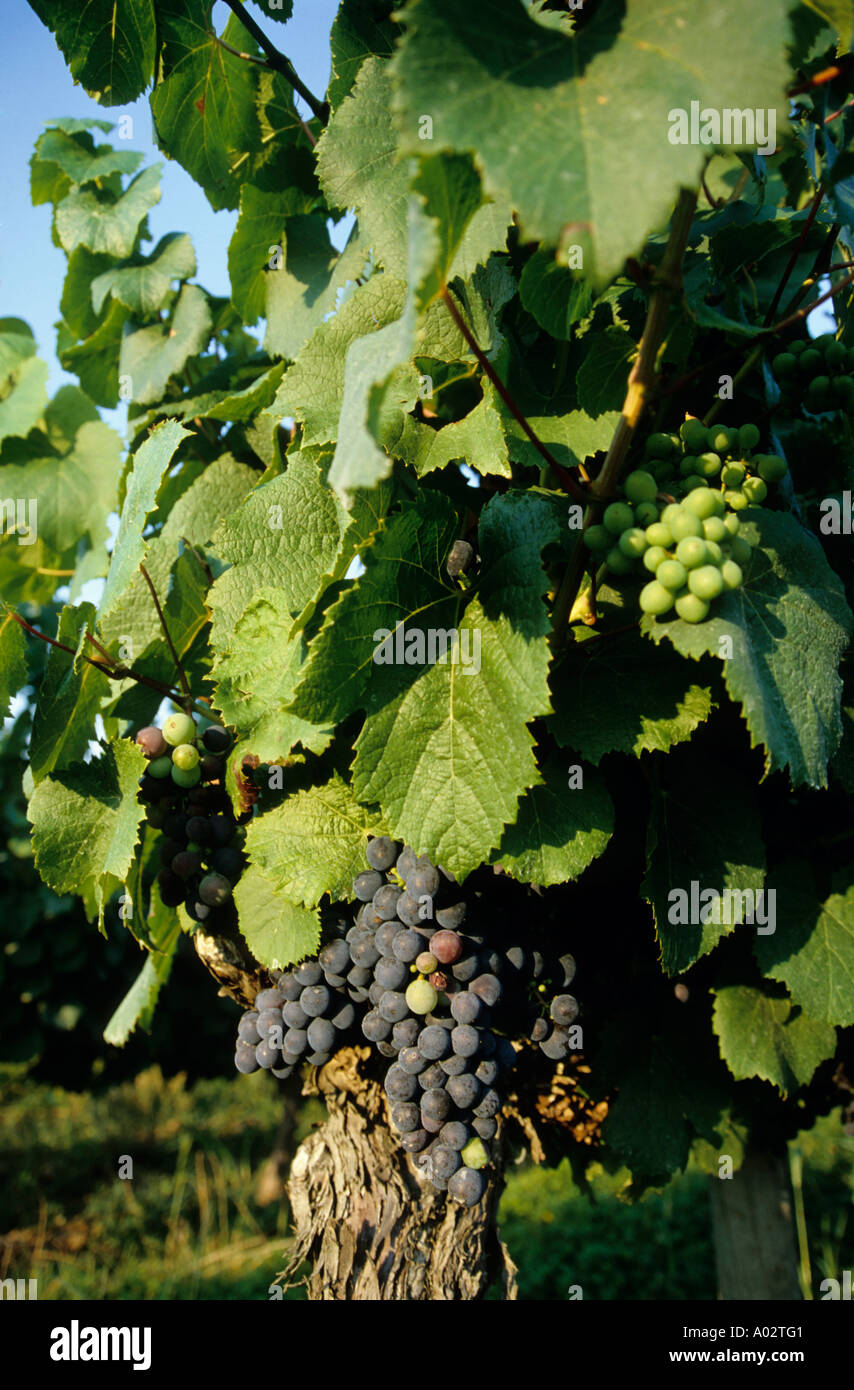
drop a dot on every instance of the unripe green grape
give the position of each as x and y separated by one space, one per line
160 767
186 755
659 534
731 574
633 543
740 550
771 468
714 529
672 574
653 557
421 997
691 552
597 538
823 341
474 1154
640 486
658 446
748 437
706 582
645 514
722 440
179 728
810 362
659 469
617 562
686 524
817 393
701 503
754 490
732 523
693 482
835 355
688 465
733 474
618 518
708 465
784 364
694 435
691 608
845 390
654 598
670 511
188 778
736 499
797 347
715 553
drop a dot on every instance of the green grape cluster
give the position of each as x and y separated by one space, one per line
690 547
817 373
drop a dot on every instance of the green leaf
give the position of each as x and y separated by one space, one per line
839 14
263 216
13 658
570 438
611 697
304 289
69 697
109 45
769 1037
602 377
137 1008
361 29
73 494
788 625
704 832
313 843
379 391
557 298
544 125
16 345
278 932
77 157
478 440
23 403
76 302
559 830
812 949
149 465
65 414
144 285
85 823
223 405
276 9
255 679
150 356
449 188
111 227
96 360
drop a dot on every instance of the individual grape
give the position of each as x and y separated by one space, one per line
645 514
671 574
618 517
505 1054
451 918
315 1000
399 1085
596 538
381 853
701 503
740 550
183 778
708 466
464 1090
151 741
216 739
407 945
159 768
539 1030
432 1077
694 435
426 963
784 364
556 1046
733 475
406 1033
748 437
692 609
488 988
179 728
268 1018
434 1042
376 992
359 977
475 1154
446 946
691 552
731 574
633 543
185 756
375 1027
466 1007
459 558
485 1129
344 1018
421 997
386 1049
454 1065
489 1105
409 909
466 1186
214 890
391 973
487 1071
334 957
640 486
196 911
244 1057
321 1034
289 986
247 1029
564 1009
415 1140
384 938
617 561
171 887
228 862
393 1006
266 1054
186 864
755 490
685 526
435 1106
424 882
406 863
654 598
366 885
706 582
454 1135
364 952
294 1014
722 439
412 1060
385 901
466 968
405 1116
771 468
714 530
282 1073
653 556
446 1162
659 534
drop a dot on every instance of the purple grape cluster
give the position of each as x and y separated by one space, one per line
305 1017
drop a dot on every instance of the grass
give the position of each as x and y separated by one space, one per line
193 1222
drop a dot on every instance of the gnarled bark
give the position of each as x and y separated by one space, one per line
365 1220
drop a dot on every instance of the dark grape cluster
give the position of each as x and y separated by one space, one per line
816 374
184 792
436 1000
691 547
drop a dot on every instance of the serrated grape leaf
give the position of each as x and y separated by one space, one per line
448 756
258 231
23 403
150 356
72 494
16 345
276 9
224 405
602 377
313 843
82 219
204 105
69 696
304 289
611 698
277 931
839 14
358 167
541 107
95 361
557 299
254 681
13 658
772 1038
76 302
559 829
571 438
109 45
478 440
77 157
149 465
699 841
285 534
361 29
136 1010
379 392
144 285
312 388
449 189
85 823
812 949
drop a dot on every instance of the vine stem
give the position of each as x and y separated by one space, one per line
171 645
278 62
796 251
565 477
666 283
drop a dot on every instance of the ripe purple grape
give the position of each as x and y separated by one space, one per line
381 853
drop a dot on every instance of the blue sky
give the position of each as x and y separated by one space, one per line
37 86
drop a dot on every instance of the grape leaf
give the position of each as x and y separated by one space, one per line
602 377
21 407
149 465
812 949
276 9
144 285
478 439
76 302
73 494
313 843
277 932
769 1037
64 415
83 220
559 829
258 231
109 45
571 438
713 840
150 356
544 125
304 289
611 698
379 391
85 823
76 156
557 298
70 695
221 405
16 345
163 931
788 625
361 29
96 360
13 658
839 14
